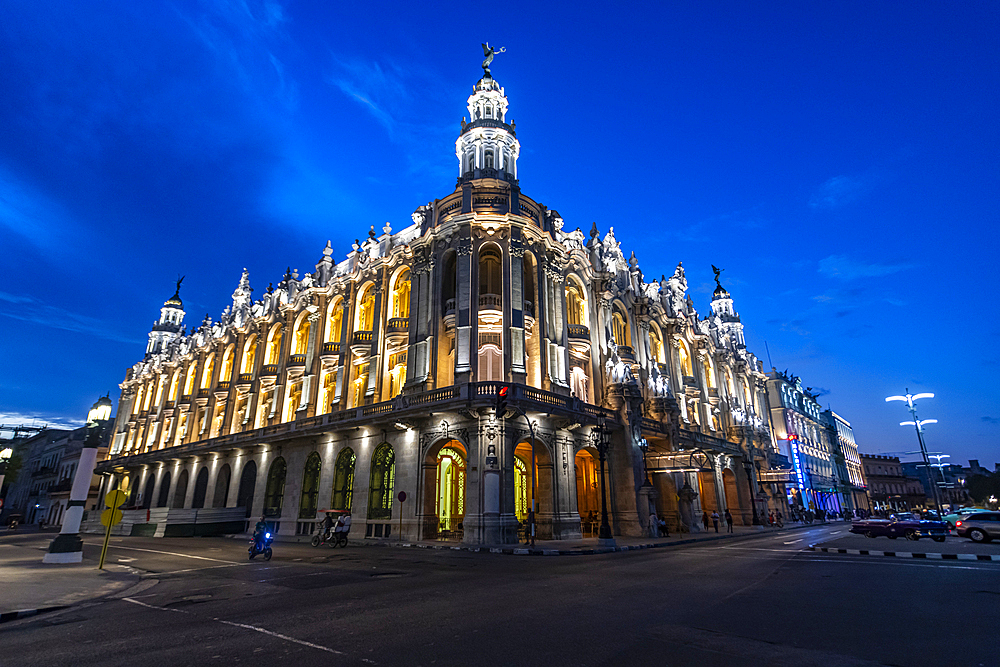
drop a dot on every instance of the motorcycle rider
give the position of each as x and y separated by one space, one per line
258 534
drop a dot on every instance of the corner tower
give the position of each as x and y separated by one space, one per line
487 146
168 326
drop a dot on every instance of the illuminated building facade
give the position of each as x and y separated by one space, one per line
378 374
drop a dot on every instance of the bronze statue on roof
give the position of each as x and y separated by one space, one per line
489 52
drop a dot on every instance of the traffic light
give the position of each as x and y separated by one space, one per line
502 395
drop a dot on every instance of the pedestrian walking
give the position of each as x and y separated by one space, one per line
715 520
729 520
664 531
654 524
704 520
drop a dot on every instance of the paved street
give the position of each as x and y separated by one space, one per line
744 601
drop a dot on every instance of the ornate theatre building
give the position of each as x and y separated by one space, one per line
340 388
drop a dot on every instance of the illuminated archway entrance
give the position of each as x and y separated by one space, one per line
588 492
543 486
449 502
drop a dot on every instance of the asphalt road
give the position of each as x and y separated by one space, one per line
744 602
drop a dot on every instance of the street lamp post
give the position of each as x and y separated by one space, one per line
644 446
919 426
67 547
602 443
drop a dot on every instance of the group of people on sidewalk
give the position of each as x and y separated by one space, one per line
715 518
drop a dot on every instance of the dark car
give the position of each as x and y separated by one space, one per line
901 525
979 526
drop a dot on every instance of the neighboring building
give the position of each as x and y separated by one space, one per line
378 374
49 461
801 430
847 462
949 478
889 488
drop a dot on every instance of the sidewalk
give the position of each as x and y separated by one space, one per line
589 546
29 586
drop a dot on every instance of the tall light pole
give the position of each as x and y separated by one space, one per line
940 466
602 443
919 426
67 547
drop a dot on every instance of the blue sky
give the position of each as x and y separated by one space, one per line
839 160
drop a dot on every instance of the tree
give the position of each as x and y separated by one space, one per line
981 487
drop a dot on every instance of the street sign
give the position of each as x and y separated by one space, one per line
110 517
402 496
115 498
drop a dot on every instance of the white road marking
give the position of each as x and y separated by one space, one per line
171 553
794 541
278 635
125 560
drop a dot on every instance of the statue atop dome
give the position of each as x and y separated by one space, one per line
489 52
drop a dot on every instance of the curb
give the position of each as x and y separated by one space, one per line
25 613
907 554
525 551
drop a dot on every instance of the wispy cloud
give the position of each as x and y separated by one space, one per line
27 212
843 267
29 309
991 420
39 419
840 190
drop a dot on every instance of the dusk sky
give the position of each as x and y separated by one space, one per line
839 160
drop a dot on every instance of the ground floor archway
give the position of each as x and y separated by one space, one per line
588 492
444 491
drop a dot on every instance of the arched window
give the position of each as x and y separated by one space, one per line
310 488
302 334
655 345
576 304
227 364
449 282
730 387
161 501
335 322
709 372
401 295
382 481
180 493
619 329
343 480
189 383
200 488
488 161
490 277
249 356
366 310
175 383
206 374
685 359
274 493
273 351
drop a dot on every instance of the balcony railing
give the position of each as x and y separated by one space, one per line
361 337
397 325
245 378
222 386
490 302
186 398
689 381
331 348
449 306
626 352
580 331
204 392
269 369
297 360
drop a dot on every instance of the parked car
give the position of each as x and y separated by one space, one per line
979 526
901 525
951 518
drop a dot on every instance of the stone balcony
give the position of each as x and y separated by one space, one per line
490 302
269 369
297 360
330 348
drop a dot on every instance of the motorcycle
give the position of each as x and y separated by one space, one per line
261 546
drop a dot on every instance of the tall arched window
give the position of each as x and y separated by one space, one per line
490 275
191 374
343 480
655 345
401 295
366 310
175 383
206 374
273 351
227 364
274 493
619 329
335 322
576 304
302 334
382 481
249 355
310 488
709 372
685 359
